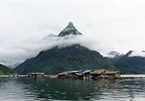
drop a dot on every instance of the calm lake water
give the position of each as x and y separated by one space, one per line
47 89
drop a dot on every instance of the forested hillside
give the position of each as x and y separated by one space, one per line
56 60
5 70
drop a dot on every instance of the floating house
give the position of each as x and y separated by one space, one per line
98 73
90 74
15 75
105 74
87 72
63 75
79 75
36 74
70 74
112 74
74 74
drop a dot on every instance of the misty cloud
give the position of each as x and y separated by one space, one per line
31 47
137 53
106 26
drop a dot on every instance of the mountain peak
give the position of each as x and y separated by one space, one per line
69 30
70 24
129 53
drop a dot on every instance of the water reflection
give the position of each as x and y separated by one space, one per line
12 90
31 89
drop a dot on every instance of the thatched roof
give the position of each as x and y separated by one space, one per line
112 72
62 73
99 71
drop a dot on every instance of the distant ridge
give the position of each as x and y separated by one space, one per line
5 70
69 30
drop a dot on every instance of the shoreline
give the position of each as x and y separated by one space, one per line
55 76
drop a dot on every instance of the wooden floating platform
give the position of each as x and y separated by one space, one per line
36 74
89 74
132 76
51 76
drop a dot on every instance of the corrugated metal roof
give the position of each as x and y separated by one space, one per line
87 71
74 71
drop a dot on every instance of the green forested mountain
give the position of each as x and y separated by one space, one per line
56 60
73 57
5 70
130 65
77 57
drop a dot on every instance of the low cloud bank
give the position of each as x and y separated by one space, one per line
19 52
137 53
26 49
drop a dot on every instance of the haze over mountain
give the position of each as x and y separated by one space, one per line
114 54
70 54
31 47
73 57
65 56
106 26
130 64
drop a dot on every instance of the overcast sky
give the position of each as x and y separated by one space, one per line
106 26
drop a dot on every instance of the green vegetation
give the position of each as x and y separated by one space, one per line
69 30
57 60
77 57
130 65
5 70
